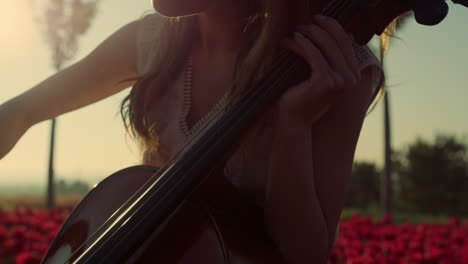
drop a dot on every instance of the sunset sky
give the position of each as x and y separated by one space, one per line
426 69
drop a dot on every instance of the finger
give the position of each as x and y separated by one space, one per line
332 81
304 48
311 54
329 47
343 39
292 45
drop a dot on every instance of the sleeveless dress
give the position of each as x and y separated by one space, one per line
173 106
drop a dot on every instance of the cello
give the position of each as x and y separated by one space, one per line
184 212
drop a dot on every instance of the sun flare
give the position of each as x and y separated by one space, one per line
16 23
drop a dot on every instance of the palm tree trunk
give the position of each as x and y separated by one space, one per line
50 203
62 29
386 194
387 201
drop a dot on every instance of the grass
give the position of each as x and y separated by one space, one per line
398 217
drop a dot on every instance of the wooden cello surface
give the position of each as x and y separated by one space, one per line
214 225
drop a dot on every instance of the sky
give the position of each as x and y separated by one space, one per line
426 72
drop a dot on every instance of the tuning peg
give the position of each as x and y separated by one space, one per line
461 2
429 12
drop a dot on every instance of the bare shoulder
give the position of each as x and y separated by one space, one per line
125 51
116 56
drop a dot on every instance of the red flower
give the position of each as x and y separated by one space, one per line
3 234
27 234
40 248
27 258
11 247
434 253
18 232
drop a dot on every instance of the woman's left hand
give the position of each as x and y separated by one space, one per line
327 48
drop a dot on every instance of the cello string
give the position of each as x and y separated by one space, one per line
150 181
181 150
112 234
218 139
200 133
197 135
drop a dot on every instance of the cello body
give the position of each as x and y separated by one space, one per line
214 225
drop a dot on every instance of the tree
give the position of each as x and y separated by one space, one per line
78 187
63 22
434 178
363 189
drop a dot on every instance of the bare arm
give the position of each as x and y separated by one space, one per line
93 78
309 176
293 214
336 137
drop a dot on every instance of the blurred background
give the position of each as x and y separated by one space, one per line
426 79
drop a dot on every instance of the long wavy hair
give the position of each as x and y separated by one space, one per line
265 28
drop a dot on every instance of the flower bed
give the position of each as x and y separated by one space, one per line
25 234
363 240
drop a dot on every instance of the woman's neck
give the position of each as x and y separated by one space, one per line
221 29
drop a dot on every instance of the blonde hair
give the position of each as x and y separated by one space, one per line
265 28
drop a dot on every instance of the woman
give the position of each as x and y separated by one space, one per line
198 56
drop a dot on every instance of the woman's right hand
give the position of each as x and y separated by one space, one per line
12 127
